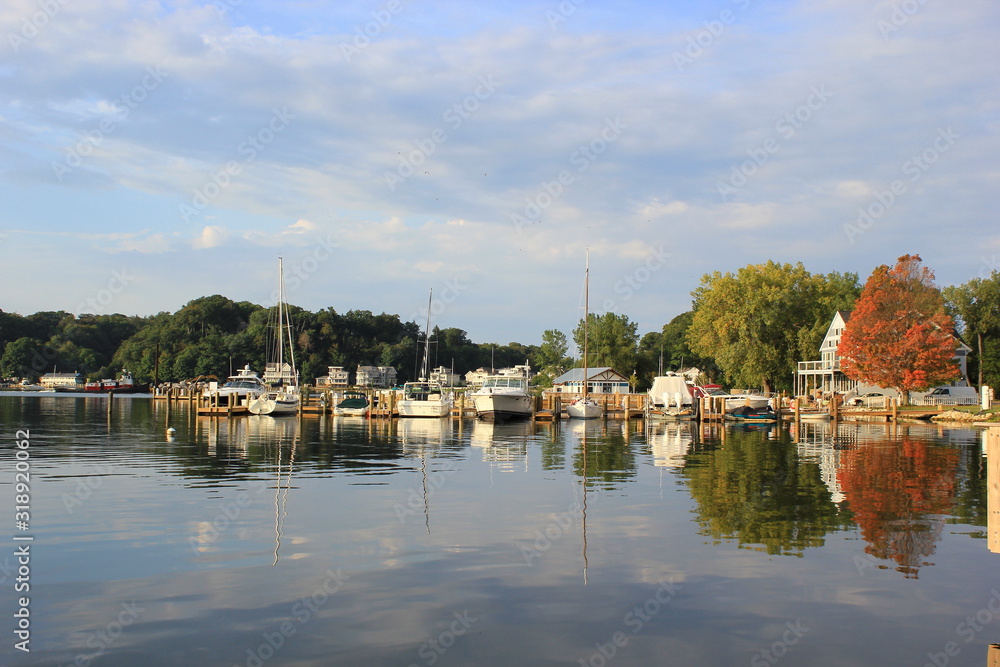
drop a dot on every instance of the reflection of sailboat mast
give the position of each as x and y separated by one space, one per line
427 508
584 522
280 514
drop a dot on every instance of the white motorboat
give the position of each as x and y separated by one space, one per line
284 398
670 397
502 398
245 383
425 398
585 407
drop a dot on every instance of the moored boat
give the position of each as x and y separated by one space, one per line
283 398
425 398
585 407
502 398
670 397
125 384
352 404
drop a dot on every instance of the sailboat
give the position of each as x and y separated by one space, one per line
424 398
585 407
282 395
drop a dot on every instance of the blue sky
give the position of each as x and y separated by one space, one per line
155 152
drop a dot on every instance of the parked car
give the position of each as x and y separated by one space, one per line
952 396
873 399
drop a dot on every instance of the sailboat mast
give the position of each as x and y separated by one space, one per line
586 318
427 339
281 330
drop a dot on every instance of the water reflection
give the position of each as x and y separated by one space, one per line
755 488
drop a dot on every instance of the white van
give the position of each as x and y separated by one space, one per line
952 396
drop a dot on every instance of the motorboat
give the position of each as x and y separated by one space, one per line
502 398
352 404
670 397
244 383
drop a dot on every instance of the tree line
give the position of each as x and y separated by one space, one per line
748 328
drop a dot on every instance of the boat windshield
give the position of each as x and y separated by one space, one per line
509 382
420 391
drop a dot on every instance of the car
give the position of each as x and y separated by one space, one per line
952 396
873 399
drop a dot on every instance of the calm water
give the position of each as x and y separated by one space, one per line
264 541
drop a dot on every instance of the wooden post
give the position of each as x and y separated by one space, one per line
556 408
993 488
796 402
895 410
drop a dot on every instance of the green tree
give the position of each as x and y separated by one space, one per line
612 341
759 322
552 357
24 358
977 305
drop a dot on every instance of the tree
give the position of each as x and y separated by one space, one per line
552 355
611 341
977 305
899 334
758 323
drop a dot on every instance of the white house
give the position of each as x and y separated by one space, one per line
826 375
376 376
444 377
603 380
336 378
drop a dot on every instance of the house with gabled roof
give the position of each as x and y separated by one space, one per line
826 375
601 380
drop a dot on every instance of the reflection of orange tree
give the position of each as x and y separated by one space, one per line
760 493
897 492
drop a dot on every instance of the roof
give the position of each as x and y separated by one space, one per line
576 375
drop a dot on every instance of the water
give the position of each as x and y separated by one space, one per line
263 541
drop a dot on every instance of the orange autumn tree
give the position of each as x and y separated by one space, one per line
899 334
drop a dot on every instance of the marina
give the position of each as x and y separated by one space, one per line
367 538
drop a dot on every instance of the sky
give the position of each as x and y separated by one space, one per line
155 152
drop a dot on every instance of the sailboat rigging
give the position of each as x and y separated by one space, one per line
282 396
584 407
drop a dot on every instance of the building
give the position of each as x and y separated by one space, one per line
445 377
65 381
336 378
603 380
825 376
377 377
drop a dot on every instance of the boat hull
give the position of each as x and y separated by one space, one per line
583 409
409 408
498 407
271 404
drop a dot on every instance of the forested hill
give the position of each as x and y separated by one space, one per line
212 334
